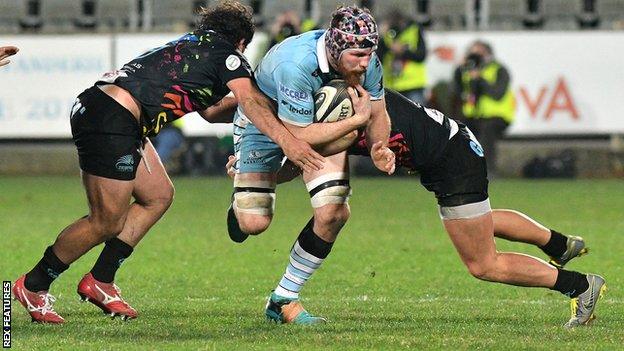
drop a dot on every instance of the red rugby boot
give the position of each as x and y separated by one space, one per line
38 304
106 296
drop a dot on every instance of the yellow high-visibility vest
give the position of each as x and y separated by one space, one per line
486 106
413 75
308 24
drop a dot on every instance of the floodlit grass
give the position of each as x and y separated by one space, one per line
393 280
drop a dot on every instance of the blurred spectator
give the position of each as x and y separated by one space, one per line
170 145
6 51
482 86
403 52
287 24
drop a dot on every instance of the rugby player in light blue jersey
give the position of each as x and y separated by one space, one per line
289 74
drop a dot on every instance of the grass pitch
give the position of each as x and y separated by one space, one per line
393 280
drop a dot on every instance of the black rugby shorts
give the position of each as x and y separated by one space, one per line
459 176
107 136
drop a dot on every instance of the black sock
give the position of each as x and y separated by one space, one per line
114 253
44 273
571 283
312 243
557 245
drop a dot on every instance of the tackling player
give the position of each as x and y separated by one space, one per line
452 165
110 125
289 74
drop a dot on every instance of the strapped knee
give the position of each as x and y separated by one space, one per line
254 197
331 188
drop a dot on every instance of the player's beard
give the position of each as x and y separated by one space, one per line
352 77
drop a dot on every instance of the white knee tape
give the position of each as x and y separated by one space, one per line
331 188
255 203
254 197
468 211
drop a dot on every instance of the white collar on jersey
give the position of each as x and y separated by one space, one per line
321 53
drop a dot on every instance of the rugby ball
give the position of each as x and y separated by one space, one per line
332 102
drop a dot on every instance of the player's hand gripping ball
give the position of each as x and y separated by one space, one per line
332 102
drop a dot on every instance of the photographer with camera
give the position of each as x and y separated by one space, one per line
482 86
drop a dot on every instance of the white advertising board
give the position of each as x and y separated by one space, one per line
39 86
564 82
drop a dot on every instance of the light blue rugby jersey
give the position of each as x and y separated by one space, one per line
293 70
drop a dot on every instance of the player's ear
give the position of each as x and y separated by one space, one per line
242 45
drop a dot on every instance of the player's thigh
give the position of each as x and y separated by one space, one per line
473 239
459 181
255 179
152 185
329 188
107 137
337 163
255 152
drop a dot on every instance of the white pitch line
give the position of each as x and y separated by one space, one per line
366 298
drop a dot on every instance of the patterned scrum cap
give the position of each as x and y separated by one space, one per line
351 28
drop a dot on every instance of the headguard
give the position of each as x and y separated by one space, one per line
351 28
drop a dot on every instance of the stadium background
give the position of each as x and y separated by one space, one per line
402 291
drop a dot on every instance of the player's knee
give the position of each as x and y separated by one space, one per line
159 201
165 198
106 227
482 270
170 195
253 224
333 217
254 203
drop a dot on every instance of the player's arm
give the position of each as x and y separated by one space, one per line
337 146
259 110
378 128
320 135
221 112
377 134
